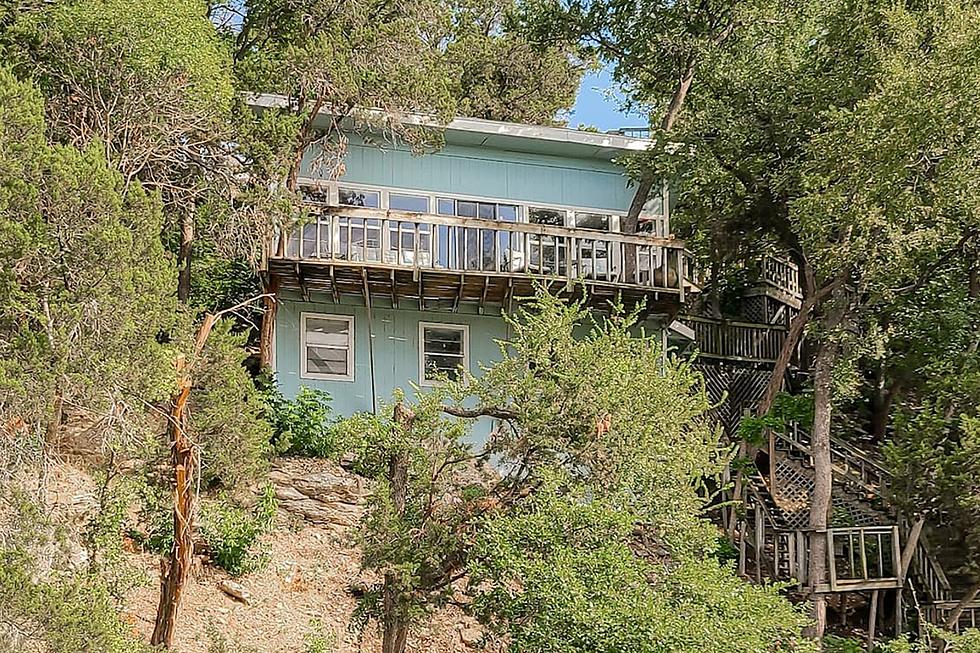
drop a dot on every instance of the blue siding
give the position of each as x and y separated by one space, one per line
396 351
490 173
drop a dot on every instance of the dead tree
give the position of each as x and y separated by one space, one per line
184 454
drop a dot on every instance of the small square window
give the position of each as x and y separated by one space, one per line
443 350
327 349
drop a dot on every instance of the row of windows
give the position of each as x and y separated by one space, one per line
463 208
327 349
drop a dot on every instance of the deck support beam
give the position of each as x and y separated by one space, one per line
872 620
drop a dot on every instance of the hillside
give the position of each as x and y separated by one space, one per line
304 593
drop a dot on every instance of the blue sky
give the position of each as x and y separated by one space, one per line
598 105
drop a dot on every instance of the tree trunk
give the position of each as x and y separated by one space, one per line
394 625
267 331
175 568
184 255
882 409
823 479
908 551
954 615
793 336
796 327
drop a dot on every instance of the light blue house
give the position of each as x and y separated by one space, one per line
404 271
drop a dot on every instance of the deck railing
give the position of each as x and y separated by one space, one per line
782 275
863 557
740 341
866 557
398 239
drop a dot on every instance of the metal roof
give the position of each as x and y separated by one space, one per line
510 136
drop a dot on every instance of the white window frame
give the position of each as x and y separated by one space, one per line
465 362
332 188
303 372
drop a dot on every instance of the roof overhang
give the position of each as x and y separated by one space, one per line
499 135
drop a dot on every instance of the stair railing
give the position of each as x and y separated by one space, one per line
863 471
852 464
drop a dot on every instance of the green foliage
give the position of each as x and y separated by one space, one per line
232 532
500 75
161 62
834 644
316 641
105 536
62 613
85 286
227 412
303 426
561 574
588 533
786 410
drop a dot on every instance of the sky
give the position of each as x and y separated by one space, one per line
598 105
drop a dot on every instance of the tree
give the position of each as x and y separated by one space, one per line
598 431
500 75
150 84
86 284
655 50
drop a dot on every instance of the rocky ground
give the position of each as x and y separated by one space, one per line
303 594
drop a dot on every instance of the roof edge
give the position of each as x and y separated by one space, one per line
489 127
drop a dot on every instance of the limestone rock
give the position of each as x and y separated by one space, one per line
234 590
470 636
321 492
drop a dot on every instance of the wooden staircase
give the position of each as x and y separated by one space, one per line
865 540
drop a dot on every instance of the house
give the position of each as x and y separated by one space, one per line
407 262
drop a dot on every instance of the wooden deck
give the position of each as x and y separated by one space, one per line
421 259
779 278
735 341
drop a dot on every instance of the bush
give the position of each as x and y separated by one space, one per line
231 532
227 413
303 426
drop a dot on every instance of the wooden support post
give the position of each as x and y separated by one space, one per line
741 547
772 464
872 618
899 613
791 554
760 539
801 542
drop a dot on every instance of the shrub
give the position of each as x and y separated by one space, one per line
227 413
231 532
303 426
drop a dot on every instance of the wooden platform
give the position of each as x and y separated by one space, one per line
421 259
420 288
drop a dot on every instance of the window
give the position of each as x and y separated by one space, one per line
547 253
327 347
443 349
352 197
401 236
596 221
413 203
553 217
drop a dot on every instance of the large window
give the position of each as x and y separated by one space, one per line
401 236
474 248
327 347
443 350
